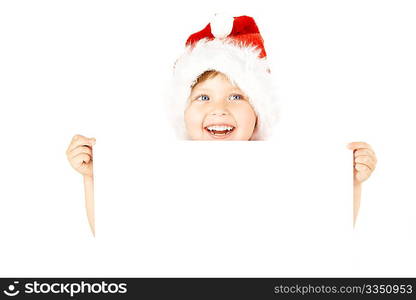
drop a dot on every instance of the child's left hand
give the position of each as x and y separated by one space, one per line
365 160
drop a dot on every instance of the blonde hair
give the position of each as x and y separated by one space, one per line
205 76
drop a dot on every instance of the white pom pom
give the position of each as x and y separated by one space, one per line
221 25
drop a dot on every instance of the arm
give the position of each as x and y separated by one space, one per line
357 200
364 163
89 201
80 156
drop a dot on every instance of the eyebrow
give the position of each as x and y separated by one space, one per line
238 91
235 90
199 91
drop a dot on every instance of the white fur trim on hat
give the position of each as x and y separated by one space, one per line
241 64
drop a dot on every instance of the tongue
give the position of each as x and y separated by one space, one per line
220 131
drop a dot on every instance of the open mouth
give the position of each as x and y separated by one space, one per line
220 130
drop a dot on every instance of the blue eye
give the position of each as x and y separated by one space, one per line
203 98
235 97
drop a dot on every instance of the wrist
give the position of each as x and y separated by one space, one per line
88 178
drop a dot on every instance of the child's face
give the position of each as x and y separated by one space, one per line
218 110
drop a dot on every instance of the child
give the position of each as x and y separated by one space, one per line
222 90
223 84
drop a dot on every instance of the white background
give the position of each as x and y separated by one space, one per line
345 72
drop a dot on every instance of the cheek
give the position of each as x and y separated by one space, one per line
246 118
193 118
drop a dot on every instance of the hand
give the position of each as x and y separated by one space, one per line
365 160
79 154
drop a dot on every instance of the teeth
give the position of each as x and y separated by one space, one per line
220 128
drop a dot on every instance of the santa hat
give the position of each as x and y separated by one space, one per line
232 46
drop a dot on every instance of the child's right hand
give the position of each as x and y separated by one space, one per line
79 154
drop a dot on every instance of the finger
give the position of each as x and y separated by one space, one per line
362 168
86 169
362 176
359 145
363 172
366 160
363 152
78 150
369 153
79 140
80 159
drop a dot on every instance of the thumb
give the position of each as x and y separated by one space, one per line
351 146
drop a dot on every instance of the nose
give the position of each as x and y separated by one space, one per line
219 110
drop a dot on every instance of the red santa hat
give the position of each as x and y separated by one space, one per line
234 47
